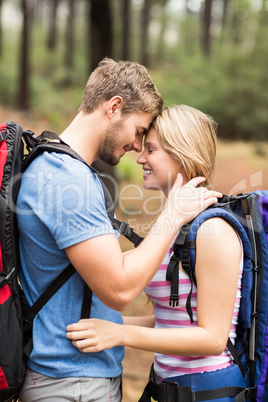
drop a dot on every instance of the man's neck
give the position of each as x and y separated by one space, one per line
84 135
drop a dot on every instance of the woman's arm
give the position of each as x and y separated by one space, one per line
217 271
117 279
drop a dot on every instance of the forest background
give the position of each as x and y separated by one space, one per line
210 54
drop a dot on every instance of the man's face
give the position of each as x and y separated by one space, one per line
123 135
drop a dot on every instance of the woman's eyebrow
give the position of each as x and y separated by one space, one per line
149 143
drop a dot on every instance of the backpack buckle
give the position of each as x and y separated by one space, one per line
174 300
3 135
171 388
124 228
186 261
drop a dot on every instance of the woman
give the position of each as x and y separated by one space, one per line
183 140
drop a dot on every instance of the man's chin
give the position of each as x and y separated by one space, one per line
111 160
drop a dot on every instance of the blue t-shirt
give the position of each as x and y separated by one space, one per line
61 203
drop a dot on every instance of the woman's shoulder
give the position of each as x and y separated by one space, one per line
217 233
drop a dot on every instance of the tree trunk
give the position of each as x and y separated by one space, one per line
101 46
101 31
145 19
164 24
126 30
225 7
69 36
23 93
1 31
206 40
52 38
187 9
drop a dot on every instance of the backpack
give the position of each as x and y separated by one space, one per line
17 150
248 215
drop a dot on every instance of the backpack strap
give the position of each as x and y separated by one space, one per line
30 313
170 391
181 248
51 142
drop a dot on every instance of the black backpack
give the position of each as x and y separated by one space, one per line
17 150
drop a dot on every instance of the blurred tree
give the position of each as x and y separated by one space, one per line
38 10
261 31
145 19
126 20
69 35
102 46
101 31
1 33
238 10
164 23
225 6
52 38
206 37
23 98
187 8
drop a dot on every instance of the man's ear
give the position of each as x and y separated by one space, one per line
114 106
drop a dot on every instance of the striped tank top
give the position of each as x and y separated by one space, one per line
158 290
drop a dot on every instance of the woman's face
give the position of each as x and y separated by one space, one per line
160 169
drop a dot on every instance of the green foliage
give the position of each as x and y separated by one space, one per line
129 170
231 85
9 71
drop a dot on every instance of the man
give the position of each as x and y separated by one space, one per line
63 218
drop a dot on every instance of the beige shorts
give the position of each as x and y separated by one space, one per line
40 388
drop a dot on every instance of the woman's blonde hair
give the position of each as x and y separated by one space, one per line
189 136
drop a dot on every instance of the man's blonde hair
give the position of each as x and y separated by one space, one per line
127 79
189 136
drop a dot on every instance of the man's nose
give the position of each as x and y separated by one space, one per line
137 145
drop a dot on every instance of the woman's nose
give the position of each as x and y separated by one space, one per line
142 158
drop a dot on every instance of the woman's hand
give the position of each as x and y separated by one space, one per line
185 202
94 335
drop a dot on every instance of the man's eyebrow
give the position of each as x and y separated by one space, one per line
144 130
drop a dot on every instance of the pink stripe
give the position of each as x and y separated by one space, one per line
156 284
160 307
191 358
166 298
163 267
194 370
235 314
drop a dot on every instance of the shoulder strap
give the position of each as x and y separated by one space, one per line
30 313
52 289
51 142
